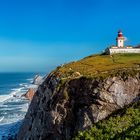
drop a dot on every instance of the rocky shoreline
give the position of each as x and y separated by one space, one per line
14 127
31 91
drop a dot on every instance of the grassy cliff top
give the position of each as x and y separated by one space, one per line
101 64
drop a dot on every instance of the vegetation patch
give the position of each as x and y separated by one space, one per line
122 125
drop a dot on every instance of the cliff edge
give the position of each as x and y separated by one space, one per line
77 95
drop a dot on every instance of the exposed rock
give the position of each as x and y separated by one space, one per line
38 80
77 74
30 93
58 113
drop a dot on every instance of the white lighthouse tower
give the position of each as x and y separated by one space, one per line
120 40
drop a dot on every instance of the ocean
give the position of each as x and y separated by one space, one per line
13 107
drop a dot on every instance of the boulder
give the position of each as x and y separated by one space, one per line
30 93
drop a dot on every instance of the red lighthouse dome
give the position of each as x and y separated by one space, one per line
120 34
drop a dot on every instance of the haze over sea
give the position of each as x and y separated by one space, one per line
13 107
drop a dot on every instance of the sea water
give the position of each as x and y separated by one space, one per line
13 106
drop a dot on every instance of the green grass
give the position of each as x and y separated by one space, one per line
101 64
122 125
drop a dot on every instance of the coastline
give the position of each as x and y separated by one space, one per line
13 106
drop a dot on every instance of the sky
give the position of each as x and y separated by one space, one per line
38 35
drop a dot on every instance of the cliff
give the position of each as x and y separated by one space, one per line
77 95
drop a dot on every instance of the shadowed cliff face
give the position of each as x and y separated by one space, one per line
60 109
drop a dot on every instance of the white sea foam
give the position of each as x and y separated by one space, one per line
25 107
11 119
17 89
15 104
30 80
5 97
16 113
23 84
1 118
13 108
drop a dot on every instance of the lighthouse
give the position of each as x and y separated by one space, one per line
120 40
120 48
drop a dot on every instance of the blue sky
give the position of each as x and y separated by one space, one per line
37 35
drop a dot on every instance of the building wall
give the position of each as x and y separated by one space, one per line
123 50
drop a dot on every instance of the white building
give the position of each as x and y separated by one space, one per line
120 47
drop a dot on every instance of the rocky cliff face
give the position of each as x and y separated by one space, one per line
60 108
